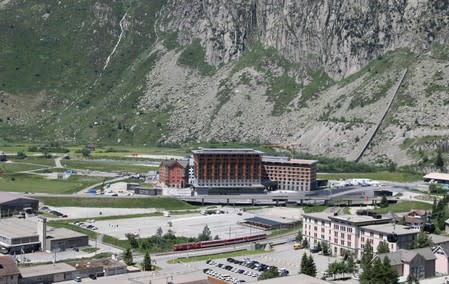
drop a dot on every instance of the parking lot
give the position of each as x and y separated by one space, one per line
190 225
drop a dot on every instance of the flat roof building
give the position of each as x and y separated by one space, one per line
282 173
22 235
374 234
227 170
437 177
11 203
49 273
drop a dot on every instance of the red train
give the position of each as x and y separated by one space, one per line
216 243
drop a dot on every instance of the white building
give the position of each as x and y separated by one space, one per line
351 232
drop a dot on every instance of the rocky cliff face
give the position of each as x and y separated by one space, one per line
323 74
339 36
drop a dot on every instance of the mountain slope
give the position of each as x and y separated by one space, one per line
318 73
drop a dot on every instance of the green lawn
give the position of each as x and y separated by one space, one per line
217 256
404 206
383 175
31 183
107 166
117 202
10 168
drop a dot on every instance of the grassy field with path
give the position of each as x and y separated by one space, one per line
117 202
38 184
404 206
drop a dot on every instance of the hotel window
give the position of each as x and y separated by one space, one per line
336 234
342 235
336 241
349 237
362 239
349 244
342 242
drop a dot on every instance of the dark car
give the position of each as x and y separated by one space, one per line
93 276
314 250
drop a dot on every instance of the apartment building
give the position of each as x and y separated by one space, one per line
289 174
174 173
341 232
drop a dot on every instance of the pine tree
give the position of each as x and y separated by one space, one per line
128 256
382 247
384 202
206 235
325 248
299 237
159 232
365 263
147 262
390 274
349 265
312 267
304 264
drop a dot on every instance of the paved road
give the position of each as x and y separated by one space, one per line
58 162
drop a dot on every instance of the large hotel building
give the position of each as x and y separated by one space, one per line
351 232
289 174
227 169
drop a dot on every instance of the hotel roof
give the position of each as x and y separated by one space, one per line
351 219
225 151
391 228
286 160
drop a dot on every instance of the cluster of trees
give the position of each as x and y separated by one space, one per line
163 242
272 272
324 247
422 241
436 188
440 212
376 270
128 259
308 266
158 242
53 147
341 267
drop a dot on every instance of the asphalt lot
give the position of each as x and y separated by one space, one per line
86 212
190 225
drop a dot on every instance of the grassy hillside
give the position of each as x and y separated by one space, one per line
52 56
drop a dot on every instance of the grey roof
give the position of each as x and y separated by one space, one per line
7 197
391 228
263 221
439 239
17 228
406 256
42 270
444 247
